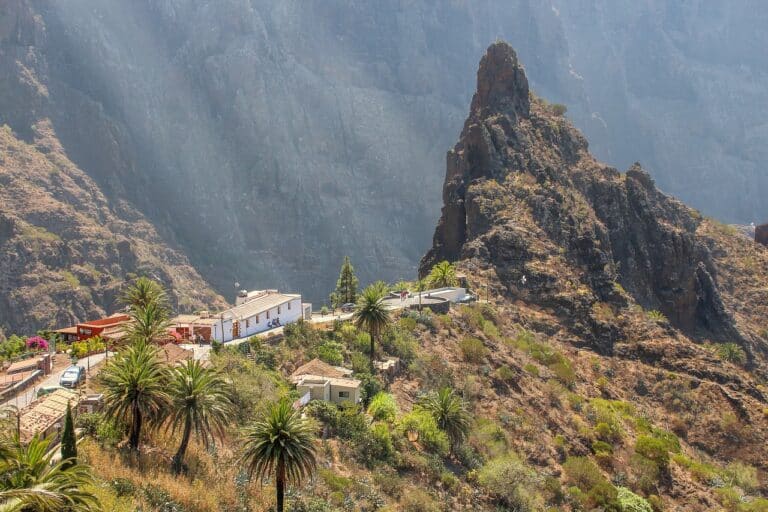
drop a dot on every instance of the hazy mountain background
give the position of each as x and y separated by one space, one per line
266 139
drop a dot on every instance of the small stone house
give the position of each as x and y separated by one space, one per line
317 380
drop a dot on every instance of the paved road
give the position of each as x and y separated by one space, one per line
28 396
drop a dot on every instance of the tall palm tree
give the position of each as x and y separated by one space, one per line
135 384
150 323
201 402
443 274
30 482
450 414
143 292
372 314
280 442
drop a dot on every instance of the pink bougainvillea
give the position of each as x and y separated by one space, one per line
37 343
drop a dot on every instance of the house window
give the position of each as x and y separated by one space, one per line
247 323
267 314
278 310
289 306
257 318
343 394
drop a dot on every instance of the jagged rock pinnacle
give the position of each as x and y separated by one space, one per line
501 83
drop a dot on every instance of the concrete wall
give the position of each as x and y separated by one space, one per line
354 394
317 390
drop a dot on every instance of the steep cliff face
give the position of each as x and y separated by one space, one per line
269 138
525 202
65 251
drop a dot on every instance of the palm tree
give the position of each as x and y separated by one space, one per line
150 322
29 482
372 313
200 402
142 293
281 442
450 414
443 274
135 384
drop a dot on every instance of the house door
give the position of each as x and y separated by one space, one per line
235 329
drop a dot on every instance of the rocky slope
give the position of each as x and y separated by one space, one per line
524 198
590 257
65 250
269 138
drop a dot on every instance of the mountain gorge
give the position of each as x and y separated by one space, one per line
269 139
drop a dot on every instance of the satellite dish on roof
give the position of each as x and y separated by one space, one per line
237 285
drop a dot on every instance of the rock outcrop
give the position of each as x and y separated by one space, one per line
66 252
525 200
761 234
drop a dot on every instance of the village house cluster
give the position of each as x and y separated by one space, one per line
254 312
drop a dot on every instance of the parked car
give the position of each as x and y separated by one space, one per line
47 390
72 377
348 307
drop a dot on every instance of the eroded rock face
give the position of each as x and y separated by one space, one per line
761 234
524 198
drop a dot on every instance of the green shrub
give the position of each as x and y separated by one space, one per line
583 473
732 353
123 487
656 316
531 369
334 481
654 449
603 496
742 475
417 500
489 437
383 407
505 374
558 109
89 423
360 362
564 373
601 447
631 502
377 446
511 482
429 434
331 352
473 350
646 473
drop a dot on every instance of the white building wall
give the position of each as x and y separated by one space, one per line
286 315
216 331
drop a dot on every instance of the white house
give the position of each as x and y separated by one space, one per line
256 312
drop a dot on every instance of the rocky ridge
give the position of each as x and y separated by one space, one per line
525 201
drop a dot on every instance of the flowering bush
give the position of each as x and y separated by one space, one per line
37 343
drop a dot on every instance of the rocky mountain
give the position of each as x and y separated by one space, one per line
598 261
267 139
65 250
524 198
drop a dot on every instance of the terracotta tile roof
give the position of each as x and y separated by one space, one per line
46 412
317 367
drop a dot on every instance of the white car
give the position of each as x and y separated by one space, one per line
72 377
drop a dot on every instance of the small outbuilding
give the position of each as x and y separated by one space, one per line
318 380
